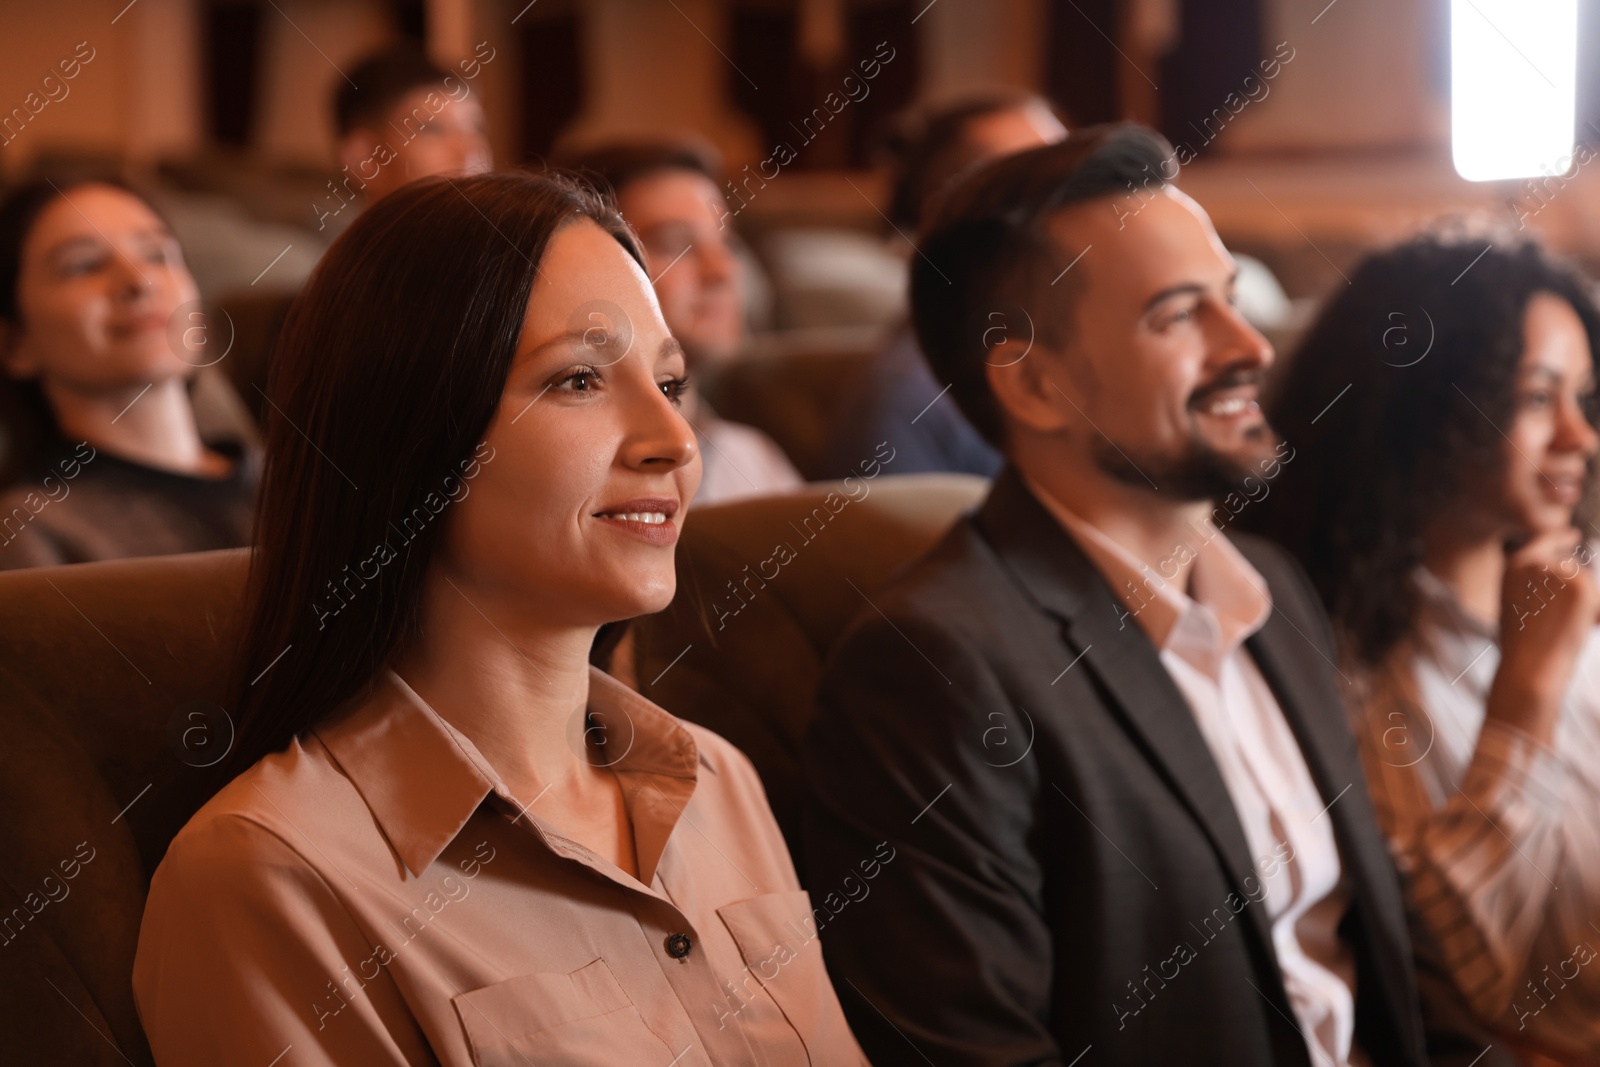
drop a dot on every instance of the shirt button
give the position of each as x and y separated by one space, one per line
678 946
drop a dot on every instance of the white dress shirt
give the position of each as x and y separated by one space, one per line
1200 638
738 461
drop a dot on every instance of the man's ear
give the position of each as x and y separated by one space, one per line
1022 377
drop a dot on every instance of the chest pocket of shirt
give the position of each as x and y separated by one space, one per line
776 935
581 1019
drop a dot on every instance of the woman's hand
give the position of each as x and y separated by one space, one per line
1549 602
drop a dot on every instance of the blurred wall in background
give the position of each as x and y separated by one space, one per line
1318 128
1367 74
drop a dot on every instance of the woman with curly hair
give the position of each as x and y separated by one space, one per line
1442 411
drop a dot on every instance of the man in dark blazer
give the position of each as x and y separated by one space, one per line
1082 786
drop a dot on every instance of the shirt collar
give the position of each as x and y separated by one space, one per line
1227 601
422 779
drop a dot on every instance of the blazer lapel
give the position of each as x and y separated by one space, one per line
1054 571
1316 716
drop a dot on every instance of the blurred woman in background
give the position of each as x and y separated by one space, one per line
98 319
453 840
1441 409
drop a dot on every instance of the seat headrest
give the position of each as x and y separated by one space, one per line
765 587
128 661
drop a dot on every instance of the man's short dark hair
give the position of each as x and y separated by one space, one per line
378 83
613 165
986 267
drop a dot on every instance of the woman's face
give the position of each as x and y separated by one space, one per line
573 515
1550 442
102 280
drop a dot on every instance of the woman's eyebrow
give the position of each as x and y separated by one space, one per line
160 233
570 337
84 240
72 244
669 347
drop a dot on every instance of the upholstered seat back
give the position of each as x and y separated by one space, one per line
793 397
765 586
112 677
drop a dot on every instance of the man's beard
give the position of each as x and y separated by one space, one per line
1200 472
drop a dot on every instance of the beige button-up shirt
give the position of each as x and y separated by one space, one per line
1200 637
1498 834
375 895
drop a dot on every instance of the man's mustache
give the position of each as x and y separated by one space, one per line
1229 378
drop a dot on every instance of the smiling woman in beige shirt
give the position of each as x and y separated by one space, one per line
452 840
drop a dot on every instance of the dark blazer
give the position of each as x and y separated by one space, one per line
898 399
1021 850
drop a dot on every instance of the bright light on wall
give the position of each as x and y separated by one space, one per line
1513 86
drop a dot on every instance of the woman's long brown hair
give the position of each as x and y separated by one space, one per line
389 368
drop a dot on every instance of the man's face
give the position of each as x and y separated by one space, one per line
1160 375
428 132
677 214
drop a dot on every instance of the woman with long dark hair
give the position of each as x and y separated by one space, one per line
99 324
1441 409
452 840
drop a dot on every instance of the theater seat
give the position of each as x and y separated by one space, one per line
791 397
253 322
111 680
742 645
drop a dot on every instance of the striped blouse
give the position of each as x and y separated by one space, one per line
1498 834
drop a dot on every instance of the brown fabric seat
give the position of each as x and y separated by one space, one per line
254 319
791 397
741 647
113 678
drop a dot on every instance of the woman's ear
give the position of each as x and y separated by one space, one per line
1020 376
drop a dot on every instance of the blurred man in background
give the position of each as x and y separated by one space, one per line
401 117
896 399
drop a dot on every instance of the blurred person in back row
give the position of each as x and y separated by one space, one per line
899 400
100 339
400 117
667 191
1444 408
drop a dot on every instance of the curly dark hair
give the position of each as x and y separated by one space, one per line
1393 402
